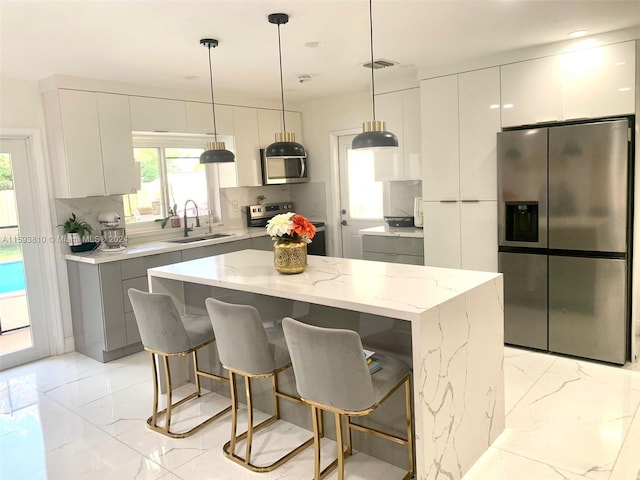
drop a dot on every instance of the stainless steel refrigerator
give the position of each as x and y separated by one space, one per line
564 210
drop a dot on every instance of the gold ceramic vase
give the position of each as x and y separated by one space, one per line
290 256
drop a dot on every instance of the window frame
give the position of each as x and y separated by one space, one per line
162 141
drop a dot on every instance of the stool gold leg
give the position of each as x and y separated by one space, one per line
247 384
167 373
316 441
234 411
340 443
349 438
276 398
154 416
195 373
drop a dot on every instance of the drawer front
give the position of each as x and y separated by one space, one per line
399 245
137 267
394 258
140 283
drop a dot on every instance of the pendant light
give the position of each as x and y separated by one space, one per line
285 144
374 133
216 151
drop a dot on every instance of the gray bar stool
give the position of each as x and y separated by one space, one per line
246 348
332 374
165 334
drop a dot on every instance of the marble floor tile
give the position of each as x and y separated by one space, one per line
498 464
70 417
627 465
574 424
596 372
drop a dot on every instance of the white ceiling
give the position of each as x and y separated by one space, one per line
156 43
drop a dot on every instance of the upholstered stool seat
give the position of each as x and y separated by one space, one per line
165 334
332 375
248 349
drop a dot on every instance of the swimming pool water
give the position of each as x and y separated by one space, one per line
11 276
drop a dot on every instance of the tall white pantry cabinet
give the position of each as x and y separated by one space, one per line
460 118
461 115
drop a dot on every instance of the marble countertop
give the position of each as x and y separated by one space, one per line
166 246
387 231
393 290
163 246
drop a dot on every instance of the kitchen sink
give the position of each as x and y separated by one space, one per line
201 238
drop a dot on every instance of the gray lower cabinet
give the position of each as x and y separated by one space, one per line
104 326
408 250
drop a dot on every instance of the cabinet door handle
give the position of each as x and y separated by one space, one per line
448 201
470 201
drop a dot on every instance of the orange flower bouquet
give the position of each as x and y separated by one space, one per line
290 227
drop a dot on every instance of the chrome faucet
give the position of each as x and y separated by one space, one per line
186 228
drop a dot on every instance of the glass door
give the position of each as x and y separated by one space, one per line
23 334
360 196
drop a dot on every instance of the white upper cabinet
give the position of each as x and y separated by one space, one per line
269 123
90 144
117 144
389 162
200 118
479 111
247 143
294 124
599 81
411 146
440 151
158 115
401 113
532 91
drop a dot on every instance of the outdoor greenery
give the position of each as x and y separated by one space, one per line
10 252
6 176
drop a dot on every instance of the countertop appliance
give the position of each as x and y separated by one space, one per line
418 217
113 236
564 210
279 170
259 215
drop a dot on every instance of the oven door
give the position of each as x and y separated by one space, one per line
278 170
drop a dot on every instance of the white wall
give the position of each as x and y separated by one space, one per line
319 119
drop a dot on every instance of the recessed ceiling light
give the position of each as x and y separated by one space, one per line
313 44
191 77
578 33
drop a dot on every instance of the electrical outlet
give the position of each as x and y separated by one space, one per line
235 206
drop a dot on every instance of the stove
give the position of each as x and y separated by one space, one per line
259 215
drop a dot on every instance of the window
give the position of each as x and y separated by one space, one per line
365 193
170 175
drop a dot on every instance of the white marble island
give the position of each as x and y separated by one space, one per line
456 320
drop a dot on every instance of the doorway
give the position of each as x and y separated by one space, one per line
23 328
361 196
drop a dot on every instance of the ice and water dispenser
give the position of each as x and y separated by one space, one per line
521 222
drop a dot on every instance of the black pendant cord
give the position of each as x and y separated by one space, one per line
284 125
213 104
373 83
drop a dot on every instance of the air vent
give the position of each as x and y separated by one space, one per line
380 63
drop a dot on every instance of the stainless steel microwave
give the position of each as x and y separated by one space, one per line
278 170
